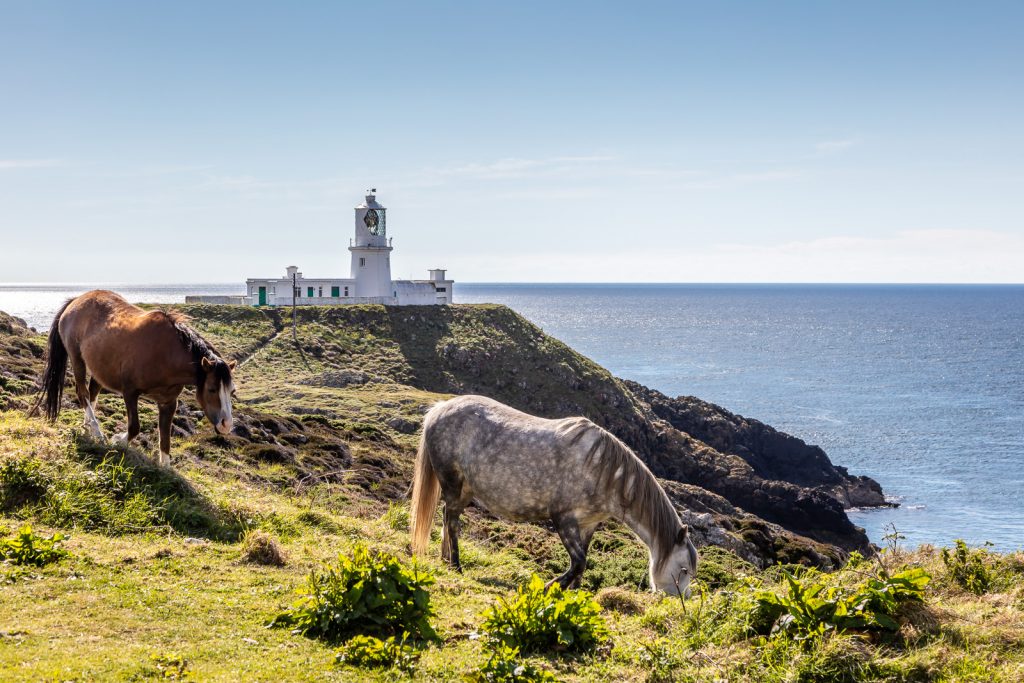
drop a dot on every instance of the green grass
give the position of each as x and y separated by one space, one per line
129 604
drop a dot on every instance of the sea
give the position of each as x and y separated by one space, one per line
918 386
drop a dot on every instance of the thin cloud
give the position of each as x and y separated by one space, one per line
909 256
515 167
10 164
834 146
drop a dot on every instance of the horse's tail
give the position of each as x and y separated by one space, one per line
56 367
426 492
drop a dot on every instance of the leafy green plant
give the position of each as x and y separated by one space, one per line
367 594
374 653
855 560
538 619
26 548
505 666
811 608
968 567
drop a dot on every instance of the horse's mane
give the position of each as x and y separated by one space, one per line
199 348
626 478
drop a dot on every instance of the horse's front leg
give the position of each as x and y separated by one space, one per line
576 542
166 415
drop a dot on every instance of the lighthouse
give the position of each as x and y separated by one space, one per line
371 250
369 280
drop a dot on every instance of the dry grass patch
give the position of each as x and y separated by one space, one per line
620 600
259 547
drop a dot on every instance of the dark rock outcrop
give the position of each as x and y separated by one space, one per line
21 358
772 454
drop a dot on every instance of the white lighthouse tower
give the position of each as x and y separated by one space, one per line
371 250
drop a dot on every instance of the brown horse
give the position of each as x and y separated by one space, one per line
133 352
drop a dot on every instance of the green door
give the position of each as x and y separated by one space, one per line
309 292
335 292
263 296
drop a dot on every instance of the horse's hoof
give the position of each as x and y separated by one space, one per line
164 460
121 438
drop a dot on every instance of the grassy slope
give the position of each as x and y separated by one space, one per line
324 467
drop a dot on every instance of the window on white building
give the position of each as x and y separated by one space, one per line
321 291
362 261
346 291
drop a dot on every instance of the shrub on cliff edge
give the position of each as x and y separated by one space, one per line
539 619
366 594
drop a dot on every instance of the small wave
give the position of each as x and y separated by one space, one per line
820 417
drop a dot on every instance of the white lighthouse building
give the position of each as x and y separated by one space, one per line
369 280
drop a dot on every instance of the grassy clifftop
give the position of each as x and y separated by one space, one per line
162 580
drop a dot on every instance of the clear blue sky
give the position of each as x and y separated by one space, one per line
517 141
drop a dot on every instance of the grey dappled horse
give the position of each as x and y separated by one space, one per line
530 469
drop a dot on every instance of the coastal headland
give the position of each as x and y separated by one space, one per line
326 426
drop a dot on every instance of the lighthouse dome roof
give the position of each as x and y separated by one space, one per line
371 201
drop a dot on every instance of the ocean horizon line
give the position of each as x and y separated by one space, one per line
606 283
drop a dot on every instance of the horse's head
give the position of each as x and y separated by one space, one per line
674 572
215 394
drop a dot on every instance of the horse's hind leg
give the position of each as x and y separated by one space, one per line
454 503
450 535
84 393
576 542
131 405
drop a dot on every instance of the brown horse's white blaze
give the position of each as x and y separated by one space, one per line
215 396
133 352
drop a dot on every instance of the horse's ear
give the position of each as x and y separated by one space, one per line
207 364
231 364
682 534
